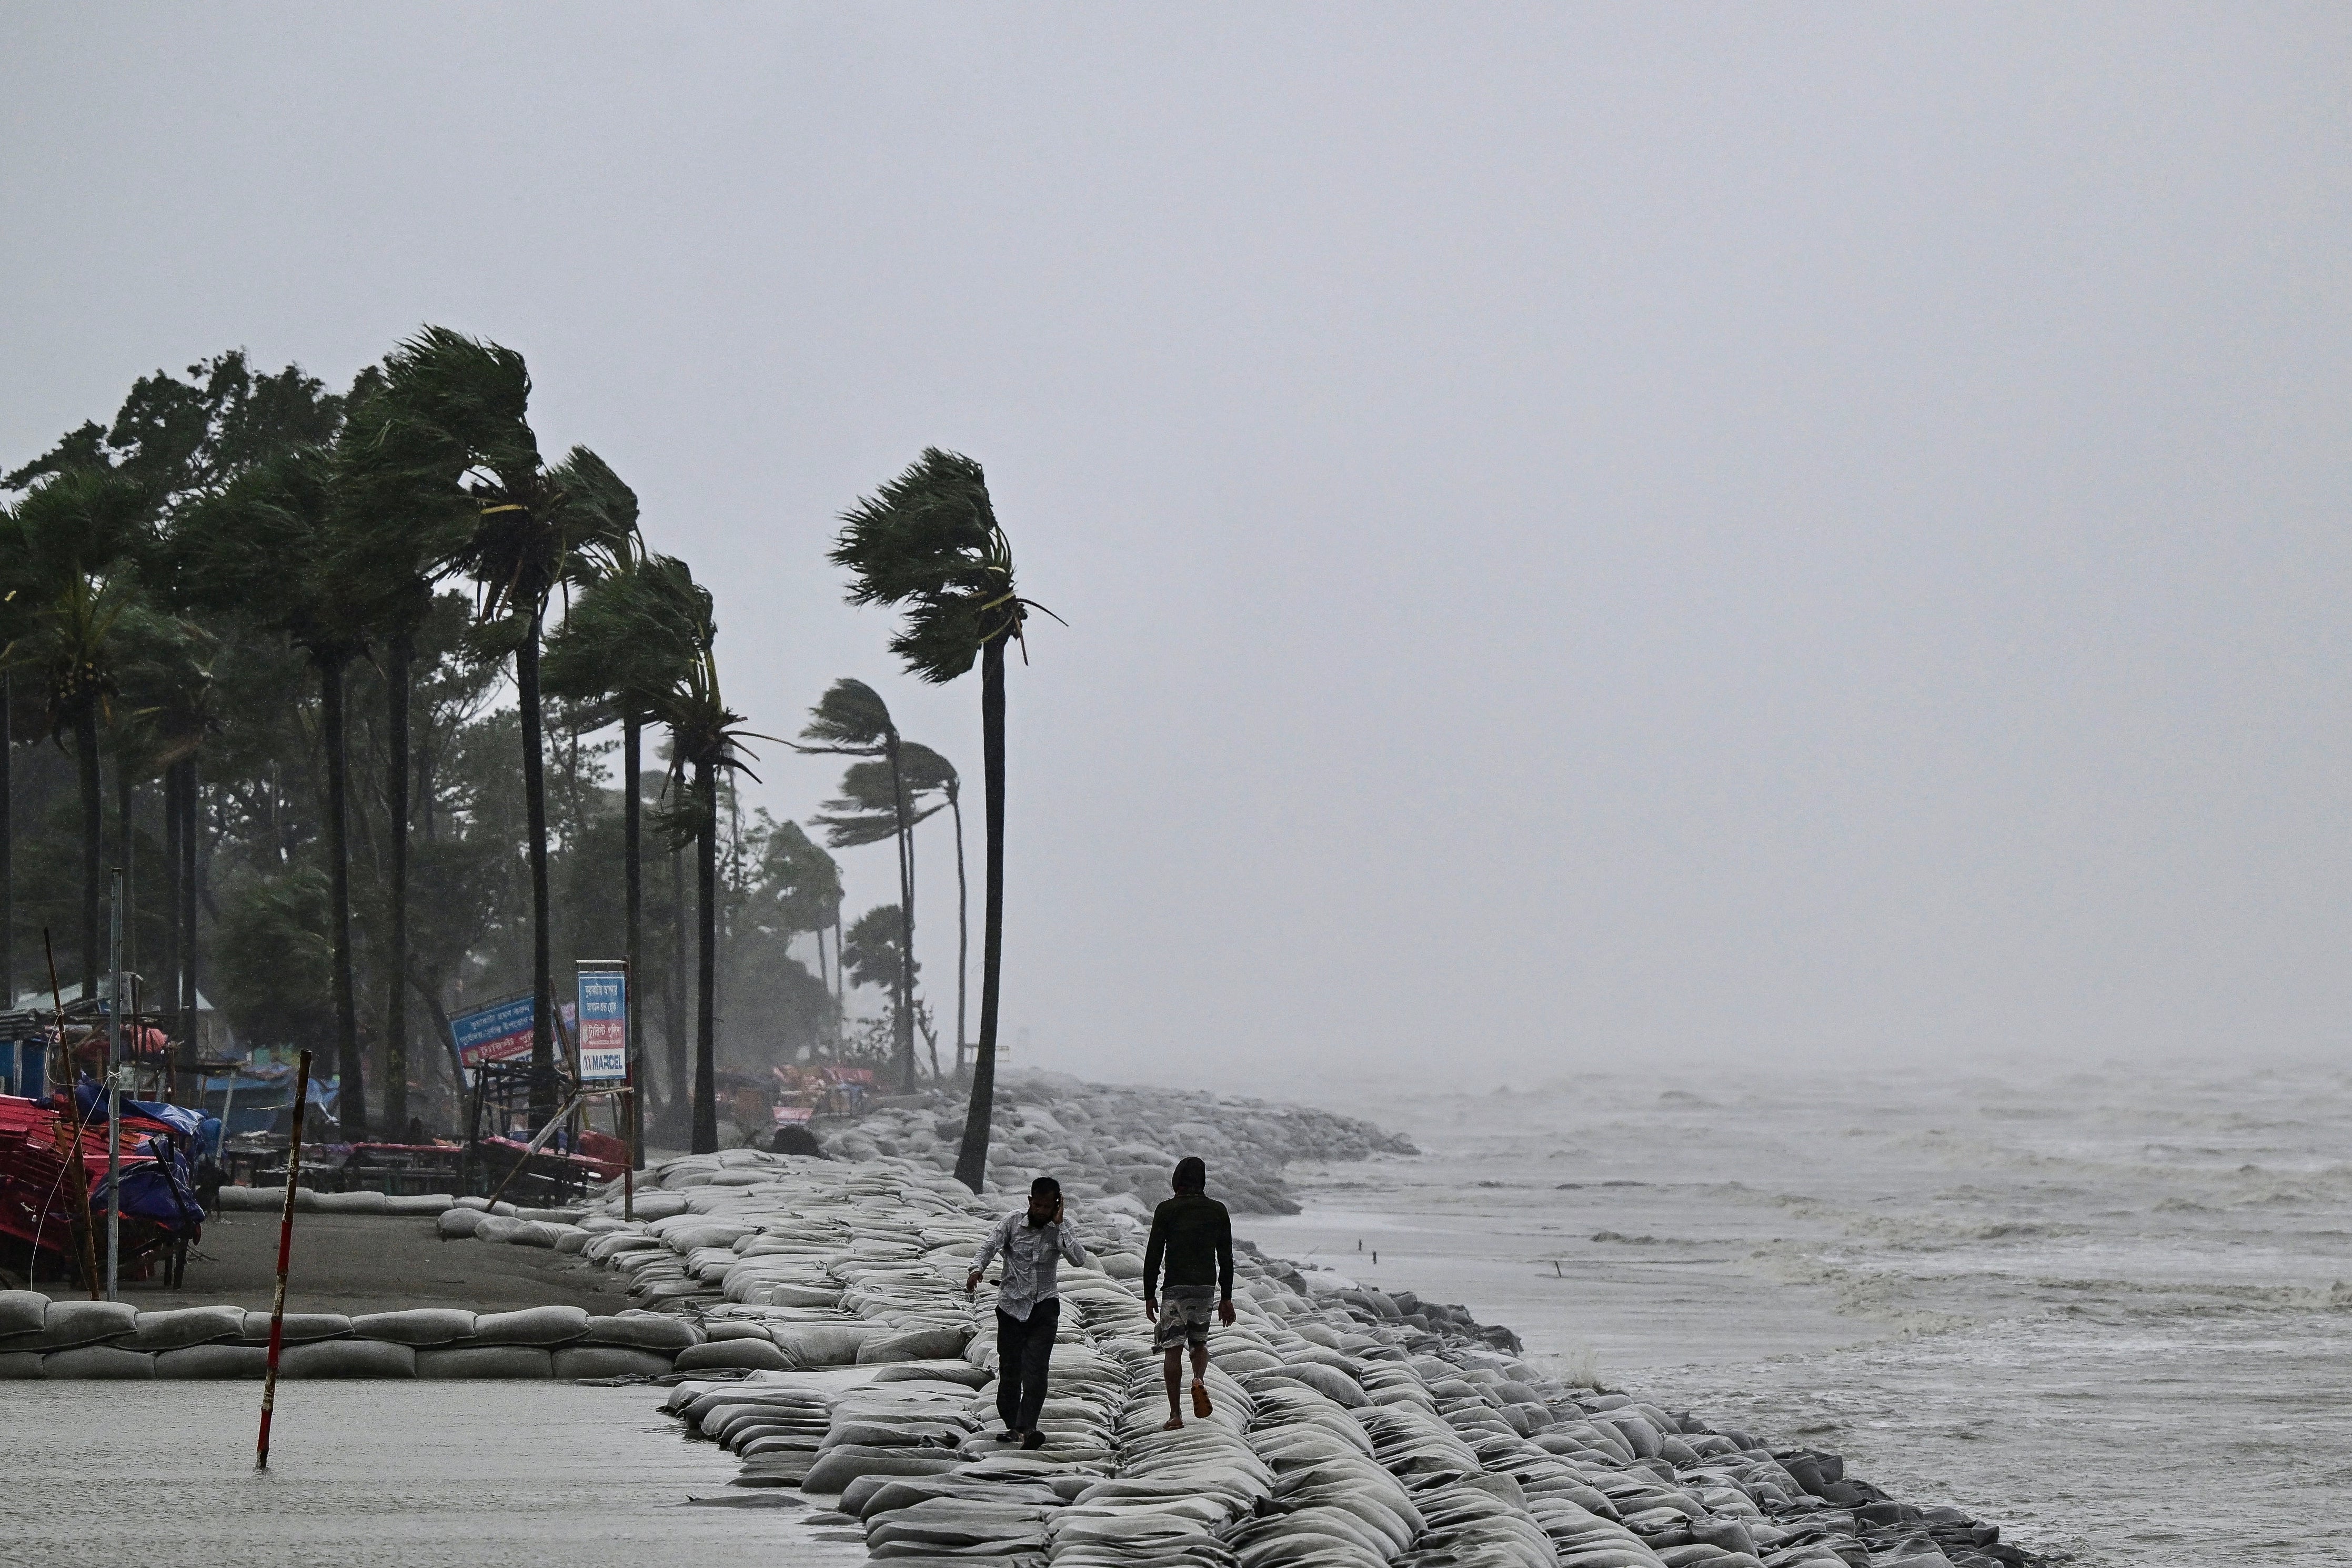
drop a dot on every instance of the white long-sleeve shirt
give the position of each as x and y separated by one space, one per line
1033 1260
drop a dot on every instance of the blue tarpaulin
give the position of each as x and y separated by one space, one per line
181 1119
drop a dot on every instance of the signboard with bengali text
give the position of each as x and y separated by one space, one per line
495 1033
604 1025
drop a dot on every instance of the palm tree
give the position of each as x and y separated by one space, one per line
881 801
941 775
622 641
399 478
852 720
71 544
707 739
463 401
928 541
871 953
164 672
652 632
270 548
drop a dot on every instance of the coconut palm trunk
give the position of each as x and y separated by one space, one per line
634 915
191 833
963 922
351 1102
126 796
706 1018
905 1021
93 841
971 1159
534 793
675 993
167 1000
399 659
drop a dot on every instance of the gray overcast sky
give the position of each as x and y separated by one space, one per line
1590 533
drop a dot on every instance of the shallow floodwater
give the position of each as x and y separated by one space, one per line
2107 1310
384 1475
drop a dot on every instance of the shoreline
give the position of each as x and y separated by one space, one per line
762 1313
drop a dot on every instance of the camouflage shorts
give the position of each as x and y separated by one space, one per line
1182 1319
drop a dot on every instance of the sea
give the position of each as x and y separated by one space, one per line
2108 1309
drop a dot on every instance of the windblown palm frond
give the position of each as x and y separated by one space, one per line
850 717
707 738
70 545
632 635
925 771
866 812
928 541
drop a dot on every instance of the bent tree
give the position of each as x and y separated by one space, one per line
927 543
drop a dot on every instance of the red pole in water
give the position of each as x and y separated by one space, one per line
285 1256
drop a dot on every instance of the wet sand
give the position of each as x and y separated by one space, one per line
389 1475
369 1263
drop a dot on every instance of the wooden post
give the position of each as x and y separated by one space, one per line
114 1067
629 1075
285 1256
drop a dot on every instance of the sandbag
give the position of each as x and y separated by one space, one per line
531 1326
836 1468
457 1222
735 1329
539 1232
426 1203
915 1344
353 1202
98 1362
21 1313
487 1362
187 1326
754 1355
646 1331
71 1324
824 1345
609 1361
20 1366
496 1227
1327 1380
961 1371
347 1358
299 1327
232 1360
420 1326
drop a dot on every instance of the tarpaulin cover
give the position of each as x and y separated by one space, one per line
187 1123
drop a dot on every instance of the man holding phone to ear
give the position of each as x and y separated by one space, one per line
1028 1304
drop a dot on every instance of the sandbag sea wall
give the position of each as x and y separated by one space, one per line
1121 1140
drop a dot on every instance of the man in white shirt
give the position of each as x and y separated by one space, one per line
1028 1304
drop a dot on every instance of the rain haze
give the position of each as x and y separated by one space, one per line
1588 534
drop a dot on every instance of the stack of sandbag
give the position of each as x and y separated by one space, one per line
775 1427
1343 1509
40 1338
271 1200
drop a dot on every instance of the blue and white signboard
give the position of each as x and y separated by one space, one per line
604 1025
495 1033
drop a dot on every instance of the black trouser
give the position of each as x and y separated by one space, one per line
1023 1353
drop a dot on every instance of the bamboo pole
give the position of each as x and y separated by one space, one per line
86 1232
547 1130
285 1256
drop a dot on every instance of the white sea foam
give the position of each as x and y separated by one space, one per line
2111 1308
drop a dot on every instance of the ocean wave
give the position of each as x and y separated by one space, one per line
2336 1297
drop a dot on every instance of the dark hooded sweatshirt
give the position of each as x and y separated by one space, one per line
1193 1235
